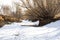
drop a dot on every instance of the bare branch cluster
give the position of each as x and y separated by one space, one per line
43 10
7 15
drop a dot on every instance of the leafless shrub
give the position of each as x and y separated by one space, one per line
18 13
6 10
7 15
45 11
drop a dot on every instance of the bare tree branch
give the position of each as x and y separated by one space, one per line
44 12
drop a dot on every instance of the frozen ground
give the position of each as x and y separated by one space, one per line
15 31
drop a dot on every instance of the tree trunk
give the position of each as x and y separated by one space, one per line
44 22
39 23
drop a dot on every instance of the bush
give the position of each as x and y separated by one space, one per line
45 11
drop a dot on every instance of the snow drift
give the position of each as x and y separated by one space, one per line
15 31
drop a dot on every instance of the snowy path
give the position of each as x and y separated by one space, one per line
15 31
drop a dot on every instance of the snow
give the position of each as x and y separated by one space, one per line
16 31
25 22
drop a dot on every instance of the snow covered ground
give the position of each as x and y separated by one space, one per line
16 31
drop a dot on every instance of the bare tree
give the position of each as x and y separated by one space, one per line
18 13
45 11
6 10
9 15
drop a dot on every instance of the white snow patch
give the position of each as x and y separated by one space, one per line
26 22
15 31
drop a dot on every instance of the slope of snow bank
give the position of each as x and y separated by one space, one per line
15 31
